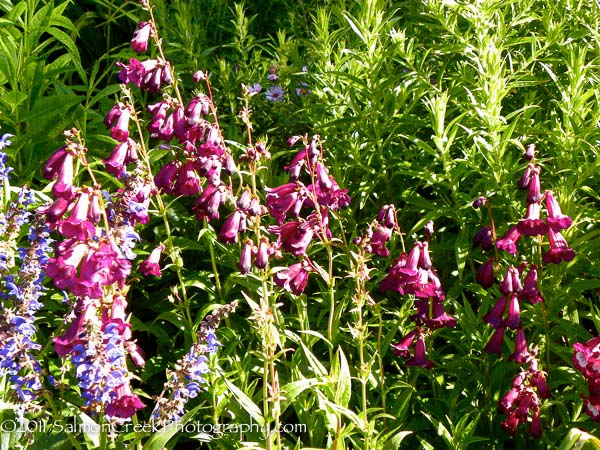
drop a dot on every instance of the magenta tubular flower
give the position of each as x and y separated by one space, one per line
120 131
398 278
63 345
495 343
208 203
534 195
297 163
525 179
54 211
387 216
425 259
293 278
52 166
94 210
484 238
188 181
77 224
530 289
532 225
479 202
263 253
166 130
535 429
402 348
284 198
420 356
141 36
559 249
511 282
521 353
63 267
294 237
197 108
323 178
245 262
485 274
102 267
159 113
439 317
377 242
556 220
123 154
151 266
509 241
233 225
132 72
586 357
495 316
112 115
530 152
513 319
125 403
166 176
505 404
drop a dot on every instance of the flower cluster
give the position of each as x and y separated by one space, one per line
520 284
523 400
92 262
506 312
587 360
533 225
308 206
186 381
413 274
21 287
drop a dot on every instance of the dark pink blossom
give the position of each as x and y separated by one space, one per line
485 274
166 176
496 315
420 354
532 225
245 262
294 277
84 310
123 154
77 225
294 236
210 200
233 225
556 219
120 130
495 343
151 266
534 195
286 198
380 236
521 353
509 241
484 238
188 181
526 177
559 249
141 36
530 287
402 348
125 403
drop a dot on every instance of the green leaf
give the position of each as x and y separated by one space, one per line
48 107
159 439
245 402
343 390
